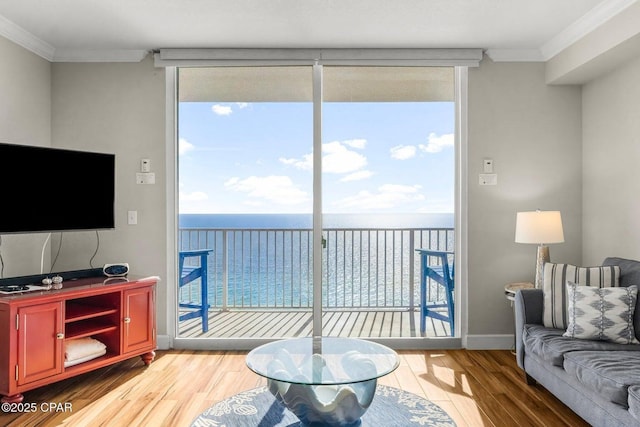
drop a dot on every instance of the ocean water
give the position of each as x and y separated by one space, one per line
288 221
265 260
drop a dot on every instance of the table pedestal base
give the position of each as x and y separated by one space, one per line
325 405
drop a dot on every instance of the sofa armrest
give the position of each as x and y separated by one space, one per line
528 310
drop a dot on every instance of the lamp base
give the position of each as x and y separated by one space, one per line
543 256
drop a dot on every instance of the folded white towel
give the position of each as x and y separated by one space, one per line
86 358
81 347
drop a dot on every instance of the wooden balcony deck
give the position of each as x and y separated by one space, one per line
254 323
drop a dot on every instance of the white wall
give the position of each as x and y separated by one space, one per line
532 131
25 91
117 108
25 118
611 144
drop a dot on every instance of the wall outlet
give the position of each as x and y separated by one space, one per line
145 165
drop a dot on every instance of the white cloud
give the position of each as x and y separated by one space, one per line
336 158
399 189
436 143
195 196
184 146
357 176
356 143
221 110
386 196
273 189
227 110
403 152
305 163
339 159
437 206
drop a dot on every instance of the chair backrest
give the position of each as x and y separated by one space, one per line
443 260
190 273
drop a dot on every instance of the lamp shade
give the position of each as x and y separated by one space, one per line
539 227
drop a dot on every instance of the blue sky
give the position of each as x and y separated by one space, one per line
384 157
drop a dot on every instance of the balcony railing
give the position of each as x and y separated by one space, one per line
362 268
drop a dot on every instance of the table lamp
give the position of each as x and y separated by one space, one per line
541 228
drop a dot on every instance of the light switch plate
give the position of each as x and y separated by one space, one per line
488 179
487 165
132 217
145 178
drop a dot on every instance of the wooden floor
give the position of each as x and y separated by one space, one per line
298 323
476 388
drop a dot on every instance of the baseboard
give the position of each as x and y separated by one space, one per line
489 342
472 342
164 342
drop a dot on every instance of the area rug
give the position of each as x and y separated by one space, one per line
391 407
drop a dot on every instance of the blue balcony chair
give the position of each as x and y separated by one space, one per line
434 265
188 274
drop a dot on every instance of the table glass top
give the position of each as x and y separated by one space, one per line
325 360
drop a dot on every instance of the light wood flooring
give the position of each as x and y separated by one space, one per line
477 388
298 323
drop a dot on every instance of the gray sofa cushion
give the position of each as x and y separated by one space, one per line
629 270
629 275
549 344
608 373
634 401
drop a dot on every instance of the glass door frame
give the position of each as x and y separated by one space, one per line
317 201
172 340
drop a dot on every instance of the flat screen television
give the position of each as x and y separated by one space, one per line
46 189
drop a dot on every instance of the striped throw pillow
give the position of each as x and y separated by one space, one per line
554 287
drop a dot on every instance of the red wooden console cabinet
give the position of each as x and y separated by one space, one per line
35 325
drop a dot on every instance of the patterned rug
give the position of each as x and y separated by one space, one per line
391 407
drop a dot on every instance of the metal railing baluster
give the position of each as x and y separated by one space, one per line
271 268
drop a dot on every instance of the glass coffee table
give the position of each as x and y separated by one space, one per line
324 381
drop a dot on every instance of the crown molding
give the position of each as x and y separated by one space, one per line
23 38
574 32
515 55
16 34
99 55
583 26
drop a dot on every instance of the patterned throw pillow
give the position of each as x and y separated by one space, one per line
604 314
556 276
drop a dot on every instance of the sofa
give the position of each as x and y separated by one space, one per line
598 379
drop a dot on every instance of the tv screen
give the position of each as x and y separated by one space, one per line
47 189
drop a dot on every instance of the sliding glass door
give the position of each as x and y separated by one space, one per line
387 190
245 193
359 160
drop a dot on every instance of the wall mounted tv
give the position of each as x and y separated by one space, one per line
47 189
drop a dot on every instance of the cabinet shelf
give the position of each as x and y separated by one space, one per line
97 361
85 329
75 312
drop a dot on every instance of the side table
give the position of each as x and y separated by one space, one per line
511 289
510 293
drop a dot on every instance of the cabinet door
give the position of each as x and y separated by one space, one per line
40 341
139 328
